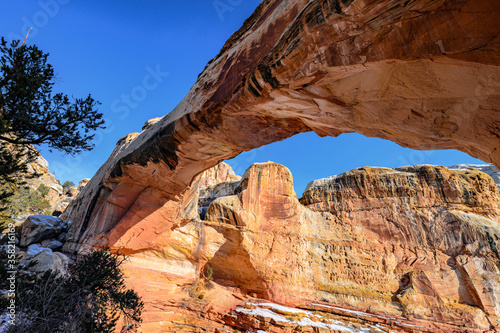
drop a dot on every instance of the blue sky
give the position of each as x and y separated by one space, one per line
108 48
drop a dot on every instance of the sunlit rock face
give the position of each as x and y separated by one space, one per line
400 248
421 241
489 169
423 74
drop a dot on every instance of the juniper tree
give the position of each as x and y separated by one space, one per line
31 114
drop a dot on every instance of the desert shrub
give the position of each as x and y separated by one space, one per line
29 201
67 184
91 297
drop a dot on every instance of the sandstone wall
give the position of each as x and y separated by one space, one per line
410 247
423 74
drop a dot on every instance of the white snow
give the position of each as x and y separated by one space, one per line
305 320
264 313
308 322
45 219
283 308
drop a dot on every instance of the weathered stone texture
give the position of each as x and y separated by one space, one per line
424 74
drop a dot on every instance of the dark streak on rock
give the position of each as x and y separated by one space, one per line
266 74
88 213
253 91
161 147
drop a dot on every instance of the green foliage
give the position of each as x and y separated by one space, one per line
210 273
43 190
31 114
90 298
25 201
98 273
68 184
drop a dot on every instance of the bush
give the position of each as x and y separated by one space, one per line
23 201
90 298
68 183
29 201
67 186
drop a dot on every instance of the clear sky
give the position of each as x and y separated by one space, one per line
108 48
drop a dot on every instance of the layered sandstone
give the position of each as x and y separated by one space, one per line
413 248
489 169
424 74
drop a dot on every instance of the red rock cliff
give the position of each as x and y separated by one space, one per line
422 73
399 248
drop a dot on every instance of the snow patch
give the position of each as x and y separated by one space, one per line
264 313
308 319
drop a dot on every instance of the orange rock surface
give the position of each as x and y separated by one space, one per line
417 242
398 248
424 74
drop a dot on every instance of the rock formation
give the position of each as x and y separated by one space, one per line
400 248
58 197
38 238
489 169
82 183
423 74
40 168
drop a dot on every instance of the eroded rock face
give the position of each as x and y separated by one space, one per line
408 247
382 69
394 241
424 74
489 169
40 168
82 183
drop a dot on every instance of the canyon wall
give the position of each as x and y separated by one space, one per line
422 73
413 248
417 246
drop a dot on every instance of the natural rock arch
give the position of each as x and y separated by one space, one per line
424 74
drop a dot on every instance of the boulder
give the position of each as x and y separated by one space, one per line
150 123
71 192
62 237
55 261
52 244
82 183
37 228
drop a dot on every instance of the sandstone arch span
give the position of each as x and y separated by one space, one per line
424 74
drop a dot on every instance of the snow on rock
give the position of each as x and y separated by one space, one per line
489 169
55 261
53 244
284 316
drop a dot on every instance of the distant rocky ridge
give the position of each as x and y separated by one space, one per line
59 198
489 169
